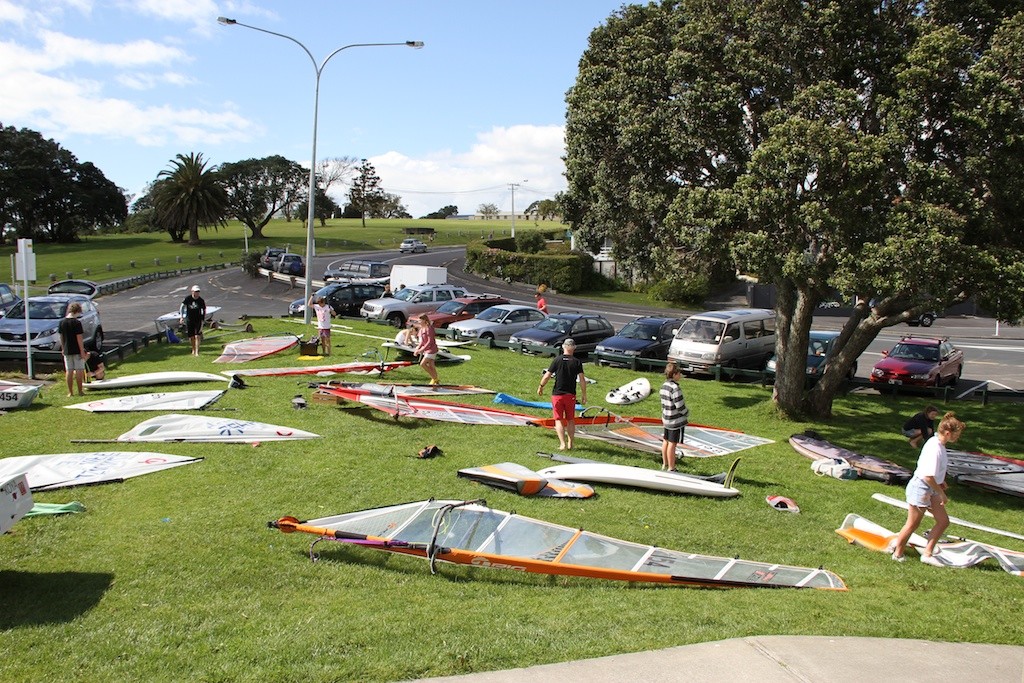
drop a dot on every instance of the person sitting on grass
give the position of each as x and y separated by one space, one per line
921 426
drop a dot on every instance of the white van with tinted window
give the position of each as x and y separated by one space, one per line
743 338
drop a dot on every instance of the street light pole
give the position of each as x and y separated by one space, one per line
513 186
318 70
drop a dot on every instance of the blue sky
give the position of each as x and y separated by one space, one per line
128 84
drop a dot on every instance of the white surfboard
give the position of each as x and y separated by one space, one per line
635 391
441 353
17 395
150 378
171 400
638 477
175 316
15 500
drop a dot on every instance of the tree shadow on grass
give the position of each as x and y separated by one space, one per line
36 599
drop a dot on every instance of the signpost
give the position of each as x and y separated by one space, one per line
25 270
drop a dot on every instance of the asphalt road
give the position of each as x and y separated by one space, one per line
998 360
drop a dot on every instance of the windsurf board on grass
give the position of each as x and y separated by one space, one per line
151 378
634 392
355 368
171 400
442 354
524 481
61 470
13 396
407 389
245 350
174 316
896 502
15 500
960 554
195 428
639 477
867 466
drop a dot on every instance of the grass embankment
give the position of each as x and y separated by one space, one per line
108 257
174 576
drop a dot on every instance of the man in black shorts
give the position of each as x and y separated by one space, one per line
193 313
73 348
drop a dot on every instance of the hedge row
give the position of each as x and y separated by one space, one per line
564 272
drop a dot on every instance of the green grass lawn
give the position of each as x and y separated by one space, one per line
174 576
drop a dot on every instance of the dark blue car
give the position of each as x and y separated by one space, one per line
586 329
641 338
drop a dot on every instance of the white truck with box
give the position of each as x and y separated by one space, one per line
417 275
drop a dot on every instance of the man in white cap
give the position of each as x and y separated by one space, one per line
567 370
193 313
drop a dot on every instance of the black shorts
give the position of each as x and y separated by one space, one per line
673 435
193 326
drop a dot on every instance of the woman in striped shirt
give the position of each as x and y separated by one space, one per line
674 416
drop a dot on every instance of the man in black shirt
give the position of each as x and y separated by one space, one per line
193 313
921 427
567 371
73 348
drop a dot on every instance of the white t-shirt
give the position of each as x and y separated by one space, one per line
323 316
933 460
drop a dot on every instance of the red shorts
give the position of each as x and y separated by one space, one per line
563 406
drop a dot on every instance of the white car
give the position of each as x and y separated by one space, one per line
409 302
412 246
45 314
497 322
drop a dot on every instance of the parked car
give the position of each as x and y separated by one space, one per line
586 329
84 287
498 322
270 256
819 349
345 298
410 302
640 338
290 264
463 308
45 314
743 338
924 320
358 269
7 299
412 246
920 361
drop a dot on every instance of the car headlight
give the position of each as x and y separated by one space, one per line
466 333
709 356
630 353
770 365
514 340
47 333
812 370
878 373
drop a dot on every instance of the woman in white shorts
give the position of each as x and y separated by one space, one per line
927 491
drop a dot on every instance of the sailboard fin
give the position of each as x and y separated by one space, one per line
731 474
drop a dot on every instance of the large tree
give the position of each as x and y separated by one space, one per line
366 193
259 188
816 145
188 195
47 194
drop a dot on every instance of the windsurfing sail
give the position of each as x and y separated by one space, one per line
998 474
152 378
356 367
61 470
867 466
865 533
524 481
896 502
523 403
15 500
198 428
644 434
246 350
407 389
470 533
14 396
442 354
431 409
171 400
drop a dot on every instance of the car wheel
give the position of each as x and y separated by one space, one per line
730 368
97 340
487 335
396 319
852 374
927 320
957 376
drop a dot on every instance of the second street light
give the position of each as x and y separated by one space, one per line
318 69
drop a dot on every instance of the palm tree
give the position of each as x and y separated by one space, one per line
187 195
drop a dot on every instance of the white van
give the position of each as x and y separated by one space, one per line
743 338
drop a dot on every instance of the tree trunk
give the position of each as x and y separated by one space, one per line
794 315
857 334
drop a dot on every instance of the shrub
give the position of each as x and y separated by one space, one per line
251 263
530 242
683 289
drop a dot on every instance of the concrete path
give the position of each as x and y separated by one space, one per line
766 659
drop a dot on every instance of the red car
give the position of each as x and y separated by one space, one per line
463 308
920 361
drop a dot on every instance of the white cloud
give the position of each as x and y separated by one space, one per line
11 13
530 156
147 81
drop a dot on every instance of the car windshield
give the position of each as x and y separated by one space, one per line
451 307
703 331
404 294
637 330
554 325
38 310
492 314
72 288
915 352
818 347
